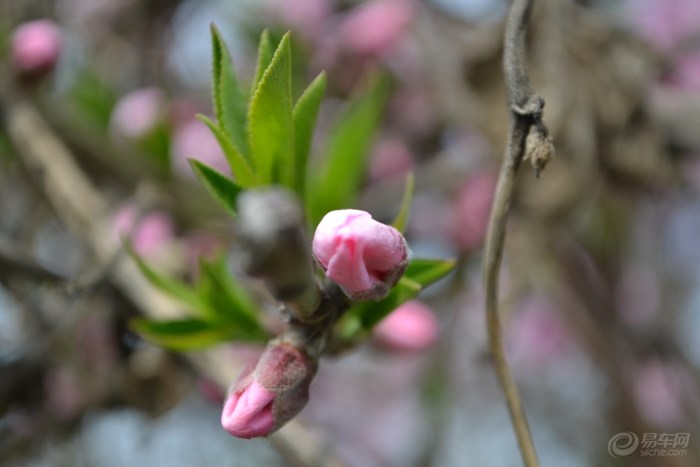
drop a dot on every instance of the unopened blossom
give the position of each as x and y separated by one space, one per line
263 399
138 113
364 257
411 327
36 46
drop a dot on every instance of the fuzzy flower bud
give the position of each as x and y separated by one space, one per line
36 46
364 257
411 327
263 399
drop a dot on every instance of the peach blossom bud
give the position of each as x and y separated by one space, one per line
194 140
36 46
376 26
138 113
264 399
364 257
412 326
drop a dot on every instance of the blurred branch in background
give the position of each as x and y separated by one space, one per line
599 281
78 203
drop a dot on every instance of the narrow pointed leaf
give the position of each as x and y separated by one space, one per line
229 102
188 334
242 171
222 188
266 50
170 286
305 112
270 125
227 301
402 217
336 184
427 271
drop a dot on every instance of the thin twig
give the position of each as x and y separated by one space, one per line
525 116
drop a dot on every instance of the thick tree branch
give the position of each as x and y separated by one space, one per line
528 138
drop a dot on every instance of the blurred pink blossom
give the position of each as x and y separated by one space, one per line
36 46
686 71
537 334
263 399
138 113
390 157
147 233
665 23
412 327
638 295
194 140
64 393
200 244
472 210
364 257
305 18
375 26
658 393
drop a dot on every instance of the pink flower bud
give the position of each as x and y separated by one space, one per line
194 140
264 399
364 257
138 113
411 327
36 46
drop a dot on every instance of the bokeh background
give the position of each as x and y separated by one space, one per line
601 278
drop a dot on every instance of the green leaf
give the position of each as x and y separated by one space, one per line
270 126
223 189
266 50
336 183
226 300
242 171
304 115
188 333
426 271
402 217
229 102
174 288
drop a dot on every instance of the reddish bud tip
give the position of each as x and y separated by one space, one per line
263 399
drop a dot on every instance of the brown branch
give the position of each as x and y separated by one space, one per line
528 138
81 206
